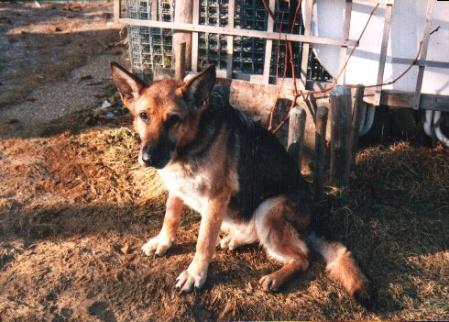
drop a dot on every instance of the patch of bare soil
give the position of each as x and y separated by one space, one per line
44 44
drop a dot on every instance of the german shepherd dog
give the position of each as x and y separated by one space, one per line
235 173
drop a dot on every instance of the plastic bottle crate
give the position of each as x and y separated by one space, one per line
150 47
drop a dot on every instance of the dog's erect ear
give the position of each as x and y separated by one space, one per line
197 88
127 84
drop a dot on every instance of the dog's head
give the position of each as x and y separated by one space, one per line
166 114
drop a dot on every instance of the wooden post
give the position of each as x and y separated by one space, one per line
183 14
180 61
116 10
230 40
196 21
296 126
154 9
356 117
340 103
320 150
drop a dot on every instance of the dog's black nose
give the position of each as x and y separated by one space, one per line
146 157
152 157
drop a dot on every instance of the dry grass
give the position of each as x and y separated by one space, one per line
75 209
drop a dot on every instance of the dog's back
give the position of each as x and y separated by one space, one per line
264 168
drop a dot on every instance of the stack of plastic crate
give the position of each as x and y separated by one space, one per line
315 72
249 52
150 47
282 14
212 47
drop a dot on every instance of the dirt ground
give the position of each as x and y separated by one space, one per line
67 48
75 207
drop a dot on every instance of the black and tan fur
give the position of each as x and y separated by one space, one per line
234 173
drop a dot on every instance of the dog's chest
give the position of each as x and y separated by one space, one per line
192 188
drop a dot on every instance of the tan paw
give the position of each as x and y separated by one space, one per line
228 243
269 283
156 246
193 277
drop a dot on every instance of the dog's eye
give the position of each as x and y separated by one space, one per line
172 120
143 116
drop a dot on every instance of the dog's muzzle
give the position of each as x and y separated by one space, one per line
155 159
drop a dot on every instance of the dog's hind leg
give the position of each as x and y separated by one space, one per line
281 240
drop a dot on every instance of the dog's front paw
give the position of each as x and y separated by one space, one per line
194 276
157 246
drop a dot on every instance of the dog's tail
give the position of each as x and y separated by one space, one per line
342 268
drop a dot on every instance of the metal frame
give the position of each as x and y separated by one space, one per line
238 32
238 35
372 96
